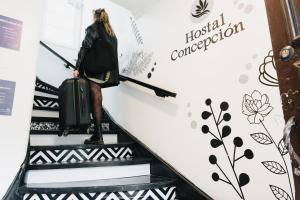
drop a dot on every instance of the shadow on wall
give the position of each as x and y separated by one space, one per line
138 8
151 100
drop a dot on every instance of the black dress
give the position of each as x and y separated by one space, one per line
98 54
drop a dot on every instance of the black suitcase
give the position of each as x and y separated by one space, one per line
74 105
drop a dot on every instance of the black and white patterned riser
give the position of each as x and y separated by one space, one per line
78 153
44 126
167 193
44 87
47 127
45 103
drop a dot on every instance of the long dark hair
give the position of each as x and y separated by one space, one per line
102 16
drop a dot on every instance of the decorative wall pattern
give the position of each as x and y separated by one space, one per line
136 63
257 107
267 71
219 140
201 9
246 8
136 32
168 193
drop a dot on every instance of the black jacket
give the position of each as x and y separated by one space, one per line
99 51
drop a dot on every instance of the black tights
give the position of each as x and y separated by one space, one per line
96 102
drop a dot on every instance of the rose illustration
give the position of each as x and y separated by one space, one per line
256 107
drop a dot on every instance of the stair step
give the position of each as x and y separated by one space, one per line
69 153
45 113
43 94
88 171
140 187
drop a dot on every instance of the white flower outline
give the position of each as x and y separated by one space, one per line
256 107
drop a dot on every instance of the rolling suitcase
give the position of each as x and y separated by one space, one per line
74 105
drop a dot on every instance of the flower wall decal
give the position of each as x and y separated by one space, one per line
267 71
256 106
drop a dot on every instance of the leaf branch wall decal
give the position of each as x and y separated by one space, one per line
279 193
256 107
219 140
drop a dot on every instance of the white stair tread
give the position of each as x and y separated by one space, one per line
85 174
134 180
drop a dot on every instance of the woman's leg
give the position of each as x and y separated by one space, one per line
96 105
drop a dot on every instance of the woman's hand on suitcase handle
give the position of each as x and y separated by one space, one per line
75 73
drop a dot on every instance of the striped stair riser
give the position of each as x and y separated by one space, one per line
45 87
44 103
77 155
168 193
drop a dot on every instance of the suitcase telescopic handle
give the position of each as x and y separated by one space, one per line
83 100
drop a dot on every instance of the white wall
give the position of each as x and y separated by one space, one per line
227 71
18 66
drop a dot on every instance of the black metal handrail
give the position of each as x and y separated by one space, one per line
68 64
158 91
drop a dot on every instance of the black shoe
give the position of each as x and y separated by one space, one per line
94 140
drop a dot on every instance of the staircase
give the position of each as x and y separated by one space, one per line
62 168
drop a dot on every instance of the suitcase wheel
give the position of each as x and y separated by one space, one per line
60 133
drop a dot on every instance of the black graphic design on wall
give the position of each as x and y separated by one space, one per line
256 107
149 75
219 139
267 71
201 9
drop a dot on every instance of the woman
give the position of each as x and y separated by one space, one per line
96 58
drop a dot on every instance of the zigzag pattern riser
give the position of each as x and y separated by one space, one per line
45 88
168 193
77 155
45 103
